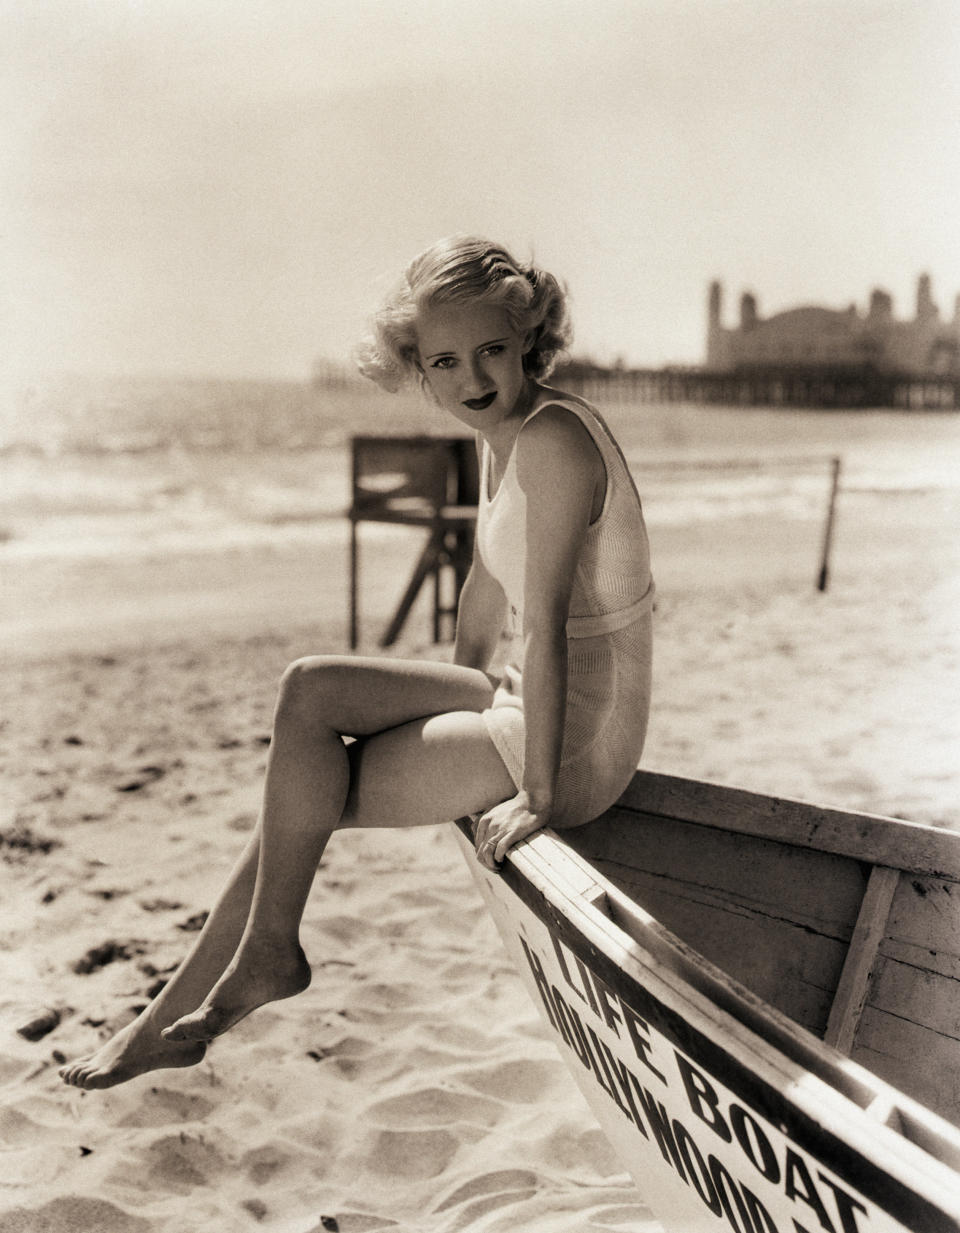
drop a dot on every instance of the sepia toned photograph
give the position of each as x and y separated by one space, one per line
479 640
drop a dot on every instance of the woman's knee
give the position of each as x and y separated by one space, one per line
308 689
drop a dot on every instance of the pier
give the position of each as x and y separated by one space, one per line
818 386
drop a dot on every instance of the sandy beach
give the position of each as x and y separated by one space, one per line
411 1088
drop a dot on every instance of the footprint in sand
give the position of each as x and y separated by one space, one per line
488 1183
517 1082
107 952
349 1050
183 1162
347 931
160 905
72 1212
20 842
582 1153
164 1107
488 1191
466 1040
148 775
20 1130
625 1216
434 1107
264 1163
352 1222
411 1155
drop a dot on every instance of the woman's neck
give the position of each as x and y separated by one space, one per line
501 436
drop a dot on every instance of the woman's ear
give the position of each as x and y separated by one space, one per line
529 339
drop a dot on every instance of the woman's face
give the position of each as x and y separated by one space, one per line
472 361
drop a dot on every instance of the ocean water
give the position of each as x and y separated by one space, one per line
99 465
108 465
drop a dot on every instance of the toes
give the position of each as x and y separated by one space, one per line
81 1074
69 1070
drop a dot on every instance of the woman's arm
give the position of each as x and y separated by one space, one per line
561 474
480 617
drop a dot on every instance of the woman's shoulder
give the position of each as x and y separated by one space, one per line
549 396
556 404
560 416
554 416
555 439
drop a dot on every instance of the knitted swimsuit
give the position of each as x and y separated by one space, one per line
609 630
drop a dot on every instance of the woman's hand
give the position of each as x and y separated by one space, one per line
504 825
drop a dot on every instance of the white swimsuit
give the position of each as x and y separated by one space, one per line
609 630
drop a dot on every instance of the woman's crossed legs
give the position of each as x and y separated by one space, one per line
421 755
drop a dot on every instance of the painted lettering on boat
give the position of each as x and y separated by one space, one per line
740 1167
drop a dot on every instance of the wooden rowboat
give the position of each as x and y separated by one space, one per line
760 1000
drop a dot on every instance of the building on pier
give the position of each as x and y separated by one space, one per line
812 337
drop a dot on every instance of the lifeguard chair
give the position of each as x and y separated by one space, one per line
429 482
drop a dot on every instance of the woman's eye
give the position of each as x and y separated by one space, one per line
494 350
445 361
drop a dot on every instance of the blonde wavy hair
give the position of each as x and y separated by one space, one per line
453 270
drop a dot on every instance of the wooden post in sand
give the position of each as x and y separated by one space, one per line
828 528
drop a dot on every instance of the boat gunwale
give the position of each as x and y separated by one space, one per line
912 847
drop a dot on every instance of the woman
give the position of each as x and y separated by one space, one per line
561 568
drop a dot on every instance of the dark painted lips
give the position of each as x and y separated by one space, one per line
478 404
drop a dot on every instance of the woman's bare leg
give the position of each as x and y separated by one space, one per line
308 782
370 695
139 1047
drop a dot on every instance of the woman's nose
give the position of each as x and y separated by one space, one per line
476 377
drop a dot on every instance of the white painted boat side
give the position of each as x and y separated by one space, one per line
726 1113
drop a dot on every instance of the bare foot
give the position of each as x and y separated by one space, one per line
134 1050
259 973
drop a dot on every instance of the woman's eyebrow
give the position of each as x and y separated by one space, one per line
479 347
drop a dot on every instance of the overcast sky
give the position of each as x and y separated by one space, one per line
225 187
